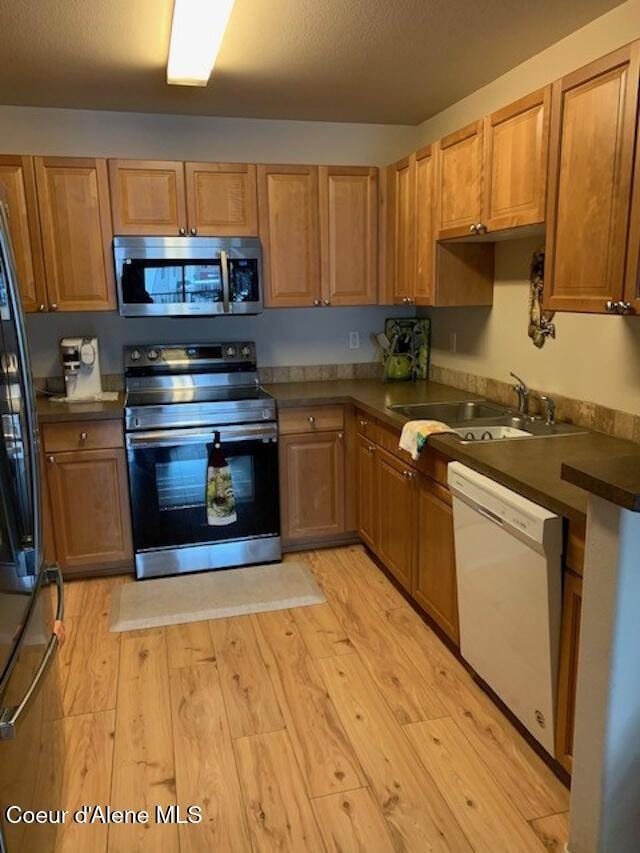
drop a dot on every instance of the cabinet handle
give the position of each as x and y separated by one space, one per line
316 302
51 459
371 448
42 307
54 306
311 420
83 436
182 232
326 302
193 232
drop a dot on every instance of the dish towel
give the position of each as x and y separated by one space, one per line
416 433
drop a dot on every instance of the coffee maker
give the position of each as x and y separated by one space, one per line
81 366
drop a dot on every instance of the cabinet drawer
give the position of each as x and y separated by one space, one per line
434 465
82 435
389 438
366 426
311 419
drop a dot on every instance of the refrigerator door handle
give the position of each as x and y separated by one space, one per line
9 717
23 360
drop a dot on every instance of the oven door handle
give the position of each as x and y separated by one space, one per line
224 267
177 437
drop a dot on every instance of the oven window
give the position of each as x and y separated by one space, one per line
168 488
181 484
169 282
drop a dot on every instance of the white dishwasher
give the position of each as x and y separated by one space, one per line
509 570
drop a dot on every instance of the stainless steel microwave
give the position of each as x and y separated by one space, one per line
188 276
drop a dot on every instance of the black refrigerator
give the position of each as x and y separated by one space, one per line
31 596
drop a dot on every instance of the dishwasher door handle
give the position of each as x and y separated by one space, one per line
491 516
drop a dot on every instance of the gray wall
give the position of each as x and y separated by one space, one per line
284 337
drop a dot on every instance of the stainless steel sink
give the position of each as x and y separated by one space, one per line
479 420
452 413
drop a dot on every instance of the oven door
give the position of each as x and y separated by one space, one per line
168 475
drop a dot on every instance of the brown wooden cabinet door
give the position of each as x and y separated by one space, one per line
568 674
349 234
312 486
366 490
593 124
17 178
396 517
89 504
424 282
73 198
401 228
459 187
515 162
288 213
148 197
435 577
222 199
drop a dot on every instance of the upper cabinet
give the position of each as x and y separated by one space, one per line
401 228
148 197
348 198
418 270
288 210
594 114
73 197
221 199
515 163
459 182
169 198
17 178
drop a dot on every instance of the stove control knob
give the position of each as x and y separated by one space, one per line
246 351
152 354
230 352
135 355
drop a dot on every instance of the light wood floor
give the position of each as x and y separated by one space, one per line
345 726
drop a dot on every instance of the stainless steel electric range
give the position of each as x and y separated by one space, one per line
178 398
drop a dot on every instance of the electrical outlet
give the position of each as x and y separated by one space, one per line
453 341
354 340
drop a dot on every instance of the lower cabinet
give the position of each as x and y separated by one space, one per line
568 675
312 486
366 501
435 586
395 526
88 501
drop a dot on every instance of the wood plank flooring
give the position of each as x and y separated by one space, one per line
345 726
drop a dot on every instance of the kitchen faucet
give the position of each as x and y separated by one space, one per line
522 391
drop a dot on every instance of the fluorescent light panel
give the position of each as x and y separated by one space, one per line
197 29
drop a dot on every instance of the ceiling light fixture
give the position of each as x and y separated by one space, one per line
197 29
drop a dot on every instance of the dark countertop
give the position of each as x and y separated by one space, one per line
615 479
531 467
50 411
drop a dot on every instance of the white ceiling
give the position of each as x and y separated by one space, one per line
388 61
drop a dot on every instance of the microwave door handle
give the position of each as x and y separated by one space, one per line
224 267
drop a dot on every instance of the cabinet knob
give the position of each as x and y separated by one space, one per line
473 229
340 435
625 307
311 420
83 436
54 306
326 302
371 448
182 232
316 302
193 232
363 422
481 228
51 459
408 475
42 307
